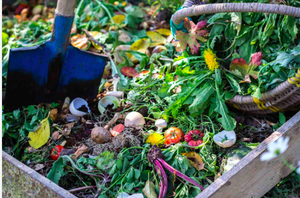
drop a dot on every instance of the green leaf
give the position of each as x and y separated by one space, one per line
57 170
137 173
16 114
130 175
105 160
228 123
282 118
202 97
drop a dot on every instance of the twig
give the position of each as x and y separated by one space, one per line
90 37
82 188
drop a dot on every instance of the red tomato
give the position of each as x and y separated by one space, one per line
194 137
173 135
55 153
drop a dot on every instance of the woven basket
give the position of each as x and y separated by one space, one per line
285 96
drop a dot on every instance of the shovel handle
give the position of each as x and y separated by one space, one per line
65 7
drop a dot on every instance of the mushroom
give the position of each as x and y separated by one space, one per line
225 139
134 119
160 124
101 135
115 92
108 100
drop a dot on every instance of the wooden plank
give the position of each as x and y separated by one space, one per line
252 178
20 181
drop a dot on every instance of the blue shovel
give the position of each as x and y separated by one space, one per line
54 70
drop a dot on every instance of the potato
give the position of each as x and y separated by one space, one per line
100 135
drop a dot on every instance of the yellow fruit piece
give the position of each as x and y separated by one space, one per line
40 137
156 37
165 32
118 19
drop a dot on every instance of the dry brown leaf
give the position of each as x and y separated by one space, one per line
80 41
53 114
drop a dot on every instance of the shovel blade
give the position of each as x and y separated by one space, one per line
41 75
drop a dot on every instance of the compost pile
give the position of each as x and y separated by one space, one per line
159 126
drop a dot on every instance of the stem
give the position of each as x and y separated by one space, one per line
115 81
164 176
82 188
162 186
287 164
180 174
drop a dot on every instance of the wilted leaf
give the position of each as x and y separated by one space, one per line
124 37
53 114
195 33
118 19
80 41
40 137
240 68
195 160
118 51
156 37
149 190
99 37
165 32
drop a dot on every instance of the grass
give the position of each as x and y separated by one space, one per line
288 187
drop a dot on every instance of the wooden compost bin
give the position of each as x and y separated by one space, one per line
250 178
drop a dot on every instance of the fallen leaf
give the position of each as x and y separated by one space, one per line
117 52
118 19
124 37
165 32
53 114
24 14
156 37
195 33
67 128
80 41
55 135
195 160
40 137
140 45
38 167
149 190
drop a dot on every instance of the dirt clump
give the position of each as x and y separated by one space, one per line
128 138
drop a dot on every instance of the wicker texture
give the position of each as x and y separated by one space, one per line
285 96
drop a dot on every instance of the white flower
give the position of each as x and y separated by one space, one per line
275 148
298 169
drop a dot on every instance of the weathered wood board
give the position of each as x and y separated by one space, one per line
252 178
20 181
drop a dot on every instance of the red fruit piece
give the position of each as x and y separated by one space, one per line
55 153
194 137
128 71
117 129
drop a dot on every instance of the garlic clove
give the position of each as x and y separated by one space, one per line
228 138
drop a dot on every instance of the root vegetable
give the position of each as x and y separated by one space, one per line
101 135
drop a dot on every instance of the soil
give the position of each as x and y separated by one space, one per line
83 108
128 138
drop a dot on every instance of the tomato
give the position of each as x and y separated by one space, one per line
55 153
173 135
194 137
